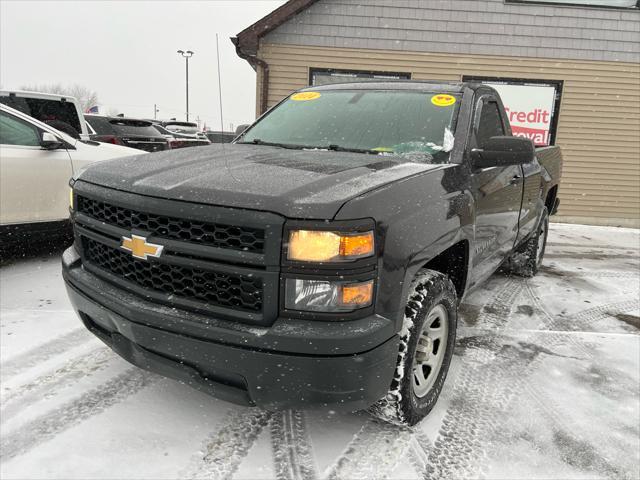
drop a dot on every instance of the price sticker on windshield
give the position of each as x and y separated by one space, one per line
305 96
442 100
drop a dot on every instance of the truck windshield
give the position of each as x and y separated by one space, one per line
372 121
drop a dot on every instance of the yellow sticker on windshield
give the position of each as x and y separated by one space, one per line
305 96
443 100
383 149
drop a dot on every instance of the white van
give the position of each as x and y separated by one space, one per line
58 111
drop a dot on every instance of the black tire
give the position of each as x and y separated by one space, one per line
526 261
401 406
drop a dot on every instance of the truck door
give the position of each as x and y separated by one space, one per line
498 195
33 181
532 201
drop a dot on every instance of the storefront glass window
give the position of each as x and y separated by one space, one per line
326 76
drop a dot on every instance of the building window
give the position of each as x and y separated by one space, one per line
586 3
532 106
324 76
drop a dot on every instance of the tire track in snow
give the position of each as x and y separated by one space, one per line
44 352
49 385
292 452
419 445
91 403
376 436
373 453
583 246
549 322
225 449
583 319
570 433
549 273
577 322
519 383
481 393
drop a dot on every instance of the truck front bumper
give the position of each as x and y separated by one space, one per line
243 364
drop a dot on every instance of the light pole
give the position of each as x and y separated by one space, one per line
187 55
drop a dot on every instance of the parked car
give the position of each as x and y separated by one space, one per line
181 140
220 137
321 258
59 111
189 128
36 164
130 132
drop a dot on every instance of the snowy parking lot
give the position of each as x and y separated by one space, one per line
544 384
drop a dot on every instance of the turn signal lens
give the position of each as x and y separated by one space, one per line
360 245
324 246
357 294
71 198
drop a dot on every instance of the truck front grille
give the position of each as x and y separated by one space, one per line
210 234
214 288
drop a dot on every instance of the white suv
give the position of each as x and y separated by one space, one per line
36 163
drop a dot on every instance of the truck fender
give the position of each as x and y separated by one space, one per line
418 260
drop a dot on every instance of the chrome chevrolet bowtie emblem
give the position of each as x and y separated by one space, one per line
139 247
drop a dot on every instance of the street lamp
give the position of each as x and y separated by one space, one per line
187 55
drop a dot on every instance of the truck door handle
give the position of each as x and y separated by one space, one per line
515 180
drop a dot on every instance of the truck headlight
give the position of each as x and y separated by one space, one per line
327 296
327 246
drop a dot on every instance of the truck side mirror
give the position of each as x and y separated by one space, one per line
241 128
503 151
50 141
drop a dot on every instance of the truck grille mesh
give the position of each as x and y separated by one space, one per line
209 234
216 288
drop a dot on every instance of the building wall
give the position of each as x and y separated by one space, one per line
599 121
485 27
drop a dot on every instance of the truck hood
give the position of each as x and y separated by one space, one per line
294 183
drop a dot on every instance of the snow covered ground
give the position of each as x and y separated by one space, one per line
544 384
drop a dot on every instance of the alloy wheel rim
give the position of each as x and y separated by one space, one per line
430 350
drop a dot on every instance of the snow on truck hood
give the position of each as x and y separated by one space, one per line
294 183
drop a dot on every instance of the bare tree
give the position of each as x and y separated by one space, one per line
87 98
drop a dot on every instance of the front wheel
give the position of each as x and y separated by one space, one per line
426 347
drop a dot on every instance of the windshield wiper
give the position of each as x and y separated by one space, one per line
334 147
257 141
338 148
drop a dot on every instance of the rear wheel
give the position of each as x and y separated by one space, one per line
426 347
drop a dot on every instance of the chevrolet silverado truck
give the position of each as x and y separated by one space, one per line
319 259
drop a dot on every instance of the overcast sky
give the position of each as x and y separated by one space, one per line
126 51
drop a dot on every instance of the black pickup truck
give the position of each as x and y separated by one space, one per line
320 258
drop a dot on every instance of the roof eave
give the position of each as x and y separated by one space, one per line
247 41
